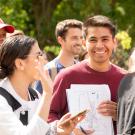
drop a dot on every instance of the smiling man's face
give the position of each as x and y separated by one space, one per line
100 44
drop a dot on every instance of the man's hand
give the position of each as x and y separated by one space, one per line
108 108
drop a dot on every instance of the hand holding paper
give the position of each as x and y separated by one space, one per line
97 98
108 108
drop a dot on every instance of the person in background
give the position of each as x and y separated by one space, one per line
131 62
50 55
69 35
126 96
84 54
15 33
4 29
100 41
23 110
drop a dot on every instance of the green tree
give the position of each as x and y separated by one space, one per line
12 12
39 18
43 11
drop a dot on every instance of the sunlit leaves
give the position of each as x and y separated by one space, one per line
120 10
105 6
125 39
12 12
20 14
54 49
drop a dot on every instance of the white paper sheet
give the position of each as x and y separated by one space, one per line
81 96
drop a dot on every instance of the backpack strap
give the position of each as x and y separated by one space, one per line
53 70
33 94
24 114
15 104
10 99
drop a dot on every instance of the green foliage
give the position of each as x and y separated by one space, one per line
13 12
20 14
122 14
121 54
124 39
120 57
53 48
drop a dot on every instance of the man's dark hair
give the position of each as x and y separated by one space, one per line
63 26
99 21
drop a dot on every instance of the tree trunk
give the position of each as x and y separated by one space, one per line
43 11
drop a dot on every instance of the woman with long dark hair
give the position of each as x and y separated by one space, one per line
23 111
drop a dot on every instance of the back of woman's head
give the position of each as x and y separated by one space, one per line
11 49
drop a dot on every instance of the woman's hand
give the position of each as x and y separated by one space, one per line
43 75
66 129
81 131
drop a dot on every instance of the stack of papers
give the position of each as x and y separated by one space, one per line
83 96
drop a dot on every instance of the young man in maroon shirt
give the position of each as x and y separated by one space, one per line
99 33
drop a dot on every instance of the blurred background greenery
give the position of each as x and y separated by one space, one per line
38 18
